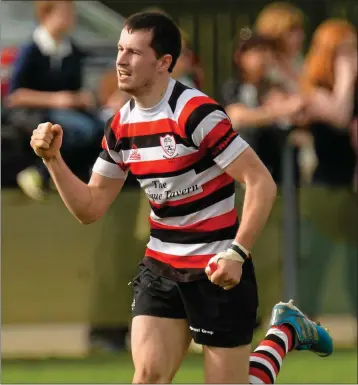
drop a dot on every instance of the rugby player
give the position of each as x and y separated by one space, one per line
197 278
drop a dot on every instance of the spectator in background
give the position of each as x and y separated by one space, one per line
329 83
283 23
183 70
46 85
260 109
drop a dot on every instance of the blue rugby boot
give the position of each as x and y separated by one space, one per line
309 335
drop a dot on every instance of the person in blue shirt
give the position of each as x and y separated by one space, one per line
47 83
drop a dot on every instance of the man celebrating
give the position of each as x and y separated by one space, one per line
197 278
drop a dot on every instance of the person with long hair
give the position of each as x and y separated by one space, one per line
329 81
329 84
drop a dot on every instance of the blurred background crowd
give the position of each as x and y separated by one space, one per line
286 73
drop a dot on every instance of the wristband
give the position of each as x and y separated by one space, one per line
245 254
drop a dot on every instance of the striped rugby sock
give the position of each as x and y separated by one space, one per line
266 360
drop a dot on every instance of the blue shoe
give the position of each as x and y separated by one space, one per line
310 335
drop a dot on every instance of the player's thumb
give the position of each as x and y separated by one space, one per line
56 130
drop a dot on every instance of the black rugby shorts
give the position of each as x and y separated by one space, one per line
216 317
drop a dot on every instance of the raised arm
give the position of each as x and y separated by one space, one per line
87 202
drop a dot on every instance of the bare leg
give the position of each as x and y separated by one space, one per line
158 348
227 365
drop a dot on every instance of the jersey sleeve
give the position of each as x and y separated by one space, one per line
209 128
110 161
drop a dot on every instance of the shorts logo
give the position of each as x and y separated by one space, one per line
133 304
201 330
134 153
168 145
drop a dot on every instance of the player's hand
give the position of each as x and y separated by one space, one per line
46 140
224 271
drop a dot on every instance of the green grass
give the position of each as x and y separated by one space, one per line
300 367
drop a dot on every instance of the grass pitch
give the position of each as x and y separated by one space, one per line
298 367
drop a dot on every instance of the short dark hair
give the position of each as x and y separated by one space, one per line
166 34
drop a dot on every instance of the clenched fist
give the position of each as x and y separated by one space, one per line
46 140
225 269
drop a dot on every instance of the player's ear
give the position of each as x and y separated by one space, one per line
164 62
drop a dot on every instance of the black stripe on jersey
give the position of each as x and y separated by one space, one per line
200 113
185 237
109 134
178 89
192 207
223 143
146 141
264 368
105 156
131 104
200 166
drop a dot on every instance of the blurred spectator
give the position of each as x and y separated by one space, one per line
329 81
354 135
183 69
260 109
330 208
283 23
46 86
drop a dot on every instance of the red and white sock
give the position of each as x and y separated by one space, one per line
266 360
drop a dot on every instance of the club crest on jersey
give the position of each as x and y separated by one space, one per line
168 145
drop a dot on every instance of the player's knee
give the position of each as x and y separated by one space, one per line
150 375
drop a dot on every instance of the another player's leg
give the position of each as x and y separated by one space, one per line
290 329
158 348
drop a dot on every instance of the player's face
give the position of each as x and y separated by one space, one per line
137 64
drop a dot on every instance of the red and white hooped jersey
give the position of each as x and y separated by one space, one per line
177 150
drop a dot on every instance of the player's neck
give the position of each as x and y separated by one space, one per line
154 95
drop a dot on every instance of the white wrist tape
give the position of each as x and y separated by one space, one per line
228 254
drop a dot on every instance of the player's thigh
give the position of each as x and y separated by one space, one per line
227 365
158 347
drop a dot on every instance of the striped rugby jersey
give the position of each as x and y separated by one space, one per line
177 150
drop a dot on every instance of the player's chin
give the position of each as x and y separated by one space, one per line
126 87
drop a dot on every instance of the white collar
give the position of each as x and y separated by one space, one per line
48 46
